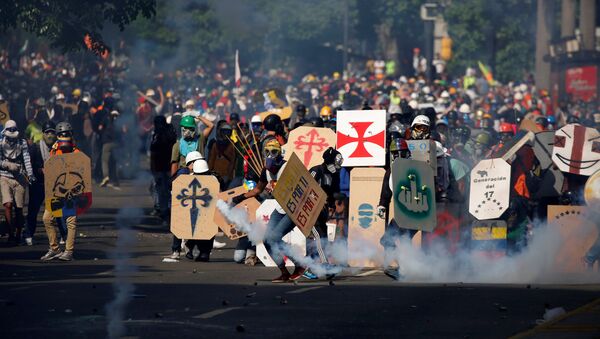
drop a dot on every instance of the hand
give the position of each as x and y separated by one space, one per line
237 199
10 166
381 211
413 199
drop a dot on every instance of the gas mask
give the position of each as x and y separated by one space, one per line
188 133
419 132
273 157
336 165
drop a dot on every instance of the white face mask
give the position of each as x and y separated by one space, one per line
332 168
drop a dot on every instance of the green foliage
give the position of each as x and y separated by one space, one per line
66 22
498 33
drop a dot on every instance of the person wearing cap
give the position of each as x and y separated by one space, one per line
40 152
16 174
110 135
64 144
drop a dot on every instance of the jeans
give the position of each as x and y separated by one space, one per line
109 168
278 226
161 191
51 222
36 199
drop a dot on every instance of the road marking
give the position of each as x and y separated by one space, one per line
216 312
302 290
367 273
554 326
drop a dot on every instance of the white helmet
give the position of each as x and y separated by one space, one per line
256 119
150 92
421 120
200 167
523 87
464 108
445 95
413 104
190 102
518 96
426 90
193 156
60 96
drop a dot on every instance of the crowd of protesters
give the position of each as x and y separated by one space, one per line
185 121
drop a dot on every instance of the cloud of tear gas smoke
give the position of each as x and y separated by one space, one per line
535 264
123 271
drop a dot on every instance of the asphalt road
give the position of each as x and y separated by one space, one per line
225 299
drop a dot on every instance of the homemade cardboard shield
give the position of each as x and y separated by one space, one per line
284 113
591 191
577 149
365 227
514 145
4 113
577 234
490 189
552 177
423 150
248 205
529 125
294 238
193 204
309 143
488 238
361 137
299 195
414 195
68 184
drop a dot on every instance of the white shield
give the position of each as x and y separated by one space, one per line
361 137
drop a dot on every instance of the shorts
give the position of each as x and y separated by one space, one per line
12 192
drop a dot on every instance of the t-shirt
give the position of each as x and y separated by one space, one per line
267 177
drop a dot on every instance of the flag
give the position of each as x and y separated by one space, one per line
486 73
238 73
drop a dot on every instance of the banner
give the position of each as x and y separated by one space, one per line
193 204
309 144
361 137
490 189
581 83
577 149
365 227
299 195
68 184
414 195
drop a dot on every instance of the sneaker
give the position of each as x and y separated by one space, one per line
104 181
217 244
51 254
115 187
309 275
66 256
29 241
251 260
62 241
282 278
174 255
203 257
298 272
393 272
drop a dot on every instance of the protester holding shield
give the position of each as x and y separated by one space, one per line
15 175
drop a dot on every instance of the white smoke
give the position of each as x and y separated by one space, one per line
123 271
537 262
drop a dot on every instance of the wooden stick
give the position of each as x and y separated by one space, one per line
257 148
257 160
242 155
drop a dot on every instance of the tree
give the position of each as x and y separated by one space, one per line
66 23
498 33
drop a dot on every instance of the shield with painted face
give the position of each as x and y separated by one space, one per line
577 149
68 184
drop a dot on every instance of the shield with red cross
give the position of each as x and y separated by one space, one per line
361 137
576 149
309 144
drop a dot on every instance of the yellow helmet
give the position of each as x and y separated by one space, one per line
76 92
325 111
272 148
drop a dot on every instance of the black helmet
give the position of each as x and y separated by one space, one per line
63 126
301 109
273 123
452 116
543 121
571 119
49 126
234 116
317 121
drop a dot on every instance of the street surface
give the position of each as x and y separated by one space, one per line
224 299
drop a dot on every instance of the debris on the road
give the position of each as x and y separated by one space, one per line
240 328
169 260
194 271
187 309
283 301
158 315
95 259
250 295
502 308
331 283
413 306
225 302
68 310
255 283
551 314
